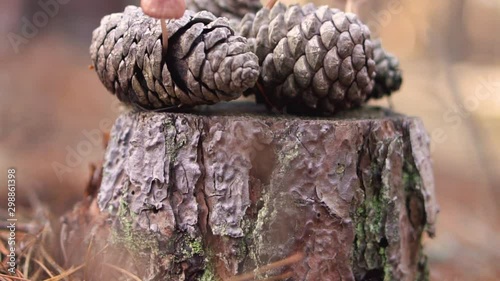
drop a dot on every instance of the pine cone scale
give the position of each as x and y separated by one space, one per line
310 26
389 76
315 52
195 62
321 83
234 10
189 36
284 62
293 16
296 42
329 35
302 72
331 64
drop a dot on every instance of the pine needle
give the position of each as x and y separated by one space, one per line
10 277
66 274
270 4
283 276
51 260
123 271
26 267
252 275
349 7
45 269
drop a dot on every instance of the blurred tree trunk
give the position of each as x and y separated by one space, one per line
10 12
455 40
77 19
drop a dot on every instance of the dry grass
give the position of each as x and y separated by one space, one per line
37 253
46 249
40 253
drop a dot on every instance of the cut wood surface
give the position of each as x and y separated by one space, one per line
210 196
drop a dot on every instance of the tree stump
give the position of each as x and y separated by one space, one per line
210 196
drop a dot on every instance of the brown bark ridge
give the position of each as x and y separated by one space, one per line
209 196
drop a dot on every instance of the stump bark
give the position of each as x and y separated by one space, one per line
209 196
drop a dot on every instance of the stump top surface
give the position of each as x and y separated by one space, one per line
247 109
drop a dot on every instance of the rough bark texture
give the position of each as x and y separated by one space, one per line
211 197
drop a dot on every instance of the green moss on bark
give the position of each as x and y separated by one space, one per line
423 273
172 144
127 235
192 247
209 274
371 217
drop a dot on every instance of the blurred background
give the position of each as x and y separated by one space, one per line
54 110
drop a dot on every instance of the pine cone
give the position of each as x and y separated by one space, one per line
231 9
389 77
313 60
205 63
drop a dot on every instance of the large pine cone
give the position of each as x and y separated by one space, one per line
205 63
389 77
313 60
